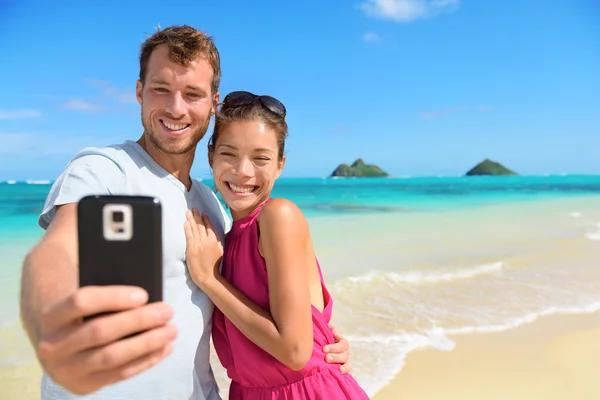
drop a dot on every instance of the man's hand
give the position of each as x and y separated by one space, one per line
339 352
85 356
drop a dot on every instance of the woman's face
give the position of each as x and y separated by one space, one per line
245 165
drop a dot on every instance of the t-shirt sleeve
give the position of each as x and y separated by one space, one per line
92 174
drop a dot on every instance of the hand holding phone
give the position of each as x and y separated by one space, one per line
129 335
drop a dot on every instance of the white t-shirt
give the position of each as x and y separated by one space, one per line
127 169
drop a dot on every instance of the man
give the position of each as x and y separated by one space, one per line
178 92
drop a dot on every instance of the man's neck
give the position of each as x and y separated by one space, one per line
178 165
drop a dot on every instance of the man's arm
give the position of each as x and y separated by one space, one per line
339 352
85 356
42 285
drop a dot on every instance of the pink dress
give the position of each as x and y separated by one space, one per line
255 374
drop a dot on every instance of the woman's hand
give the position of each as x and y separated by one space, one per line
204 249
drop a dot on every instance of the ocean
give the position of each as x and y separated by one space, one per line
408 261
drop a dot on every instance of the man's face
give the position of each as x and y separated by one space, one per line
177 102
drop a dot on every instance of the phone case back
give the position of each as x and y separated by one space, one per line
127 260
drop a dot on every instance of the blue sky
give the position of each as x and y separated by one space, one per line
417 87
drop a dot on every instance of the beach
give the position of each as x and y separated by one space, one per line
553 358
488 288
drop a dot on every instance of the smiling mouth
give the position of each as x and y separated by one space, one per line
174 127
241 189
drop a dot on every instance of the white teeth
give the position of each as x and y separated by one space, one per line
241 189
174 127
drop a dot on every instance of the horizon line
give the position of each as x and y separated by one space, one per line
558 174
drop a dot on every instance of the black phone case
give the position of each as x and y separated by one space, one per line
137 261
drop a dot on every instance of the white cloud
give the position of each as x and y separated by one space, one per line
84 106
111 91
14 143
18 114
38 144
406 10
110 99
371 37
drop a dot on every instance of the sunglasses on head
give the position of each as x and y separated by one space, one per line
242 98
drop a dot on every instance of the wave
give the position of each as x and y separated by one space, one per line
594 235
526 319
421 277
391 350
38 182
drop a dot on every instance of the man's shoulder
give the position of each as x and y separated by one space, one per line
210 201
93 170
205 192
124 159
200 185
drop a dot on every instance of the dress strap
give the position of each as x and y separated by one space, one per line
259 208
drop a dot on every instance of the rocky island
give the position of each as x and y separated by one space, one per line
489 167
359 169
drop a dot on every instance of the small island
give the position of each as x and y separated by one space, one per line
489 167
360 170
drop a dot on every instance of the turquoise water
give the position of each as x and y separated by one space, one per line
21 203
326 196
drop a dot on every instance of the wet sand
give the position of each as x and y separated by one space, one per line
554 358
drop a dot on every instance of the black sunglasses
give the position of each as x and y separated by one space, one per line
242 98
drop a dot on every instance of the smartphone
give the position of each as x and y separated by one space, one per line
120 242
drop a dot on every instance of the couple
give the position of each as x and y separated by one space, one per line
270 326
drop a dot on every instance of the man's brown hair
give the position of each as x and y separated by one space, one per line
186 44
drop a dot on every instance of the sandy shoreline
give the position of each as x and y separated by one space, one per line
556 357
21 382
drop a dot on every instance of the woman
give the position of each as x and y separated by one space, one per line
272 307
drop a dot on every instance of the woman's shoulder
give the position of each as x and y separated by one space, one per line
280 211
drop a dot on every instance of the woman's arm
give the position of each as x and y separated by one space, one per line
286 332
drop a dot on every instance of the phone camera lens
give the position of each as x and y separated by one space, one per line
118 216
